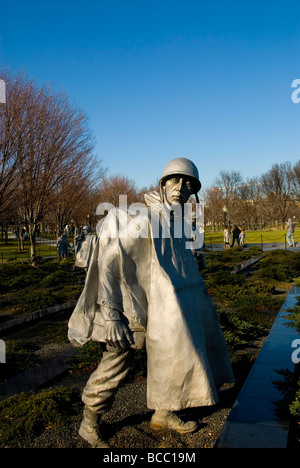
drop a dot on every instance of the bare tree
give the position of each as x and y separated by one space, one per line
74 195
113 186
12 134
53 142
214 207
276 189
230 183
295 182
110 191
249 195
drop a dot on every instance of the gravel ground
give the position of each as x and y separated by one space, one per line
126 425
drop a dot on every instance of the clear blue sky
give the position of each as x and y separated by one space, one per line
205 79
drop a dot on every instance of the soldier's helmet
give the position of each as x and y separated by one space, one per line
181 166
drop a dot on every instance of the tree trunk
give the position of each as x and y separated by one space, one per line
32 238
59 228
21 234
18 238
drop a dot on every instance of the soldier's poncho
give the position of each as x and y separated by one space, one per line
84 248
155 286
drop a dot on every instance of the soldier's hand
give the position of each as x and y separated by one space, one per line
117 334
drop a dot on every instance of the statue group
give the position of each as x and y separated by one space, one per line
84 244
147 292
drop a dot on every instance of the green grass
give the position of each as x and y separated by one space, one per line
10 251
246 306
25 289
252 237
22 347
24 417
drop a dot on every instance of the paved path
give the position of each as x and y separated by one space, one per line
253 421
265 246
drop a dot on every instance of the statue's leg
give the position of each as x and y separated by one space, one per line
89 429
100 390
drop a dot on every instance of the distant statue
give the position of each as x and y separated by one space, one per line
84 244
145 290
63 246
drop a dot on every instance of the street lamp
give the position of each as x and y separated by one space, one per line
225 215
2 93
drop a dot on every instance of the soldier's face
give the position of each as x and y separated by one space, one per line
177 190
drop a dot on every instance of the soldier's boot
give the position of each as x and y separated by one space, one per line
167 419
89 429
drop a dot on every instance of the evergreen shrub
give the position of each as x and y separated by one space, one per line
25 416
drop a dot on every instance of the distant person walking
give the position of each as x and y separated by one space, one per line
227 237
290 233
235 235
242 237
